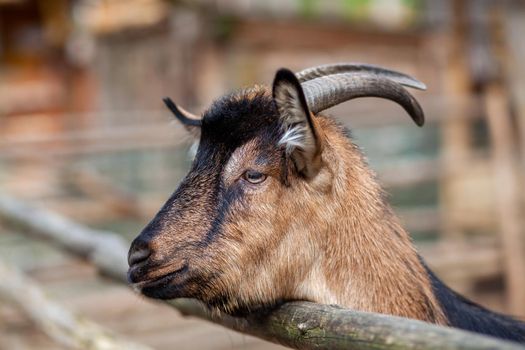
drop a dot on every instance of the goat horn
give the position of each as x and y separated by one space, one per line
182 115
327 91
329 69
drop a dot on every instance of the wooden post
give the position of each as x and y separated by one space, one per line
456 137
507 191
514 67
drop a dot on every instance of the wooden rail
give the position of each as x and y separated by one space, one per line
301 325
155 133
62 325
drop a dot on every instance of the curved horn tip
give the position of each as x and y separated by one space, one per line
419 85
418 117
182 115
169 103
415 111
174 109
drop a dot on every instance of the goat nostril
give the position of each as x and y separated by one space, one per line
138 255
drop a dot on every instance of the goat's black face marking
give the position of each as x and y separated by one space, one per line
236 119
216 226
195 215
231 122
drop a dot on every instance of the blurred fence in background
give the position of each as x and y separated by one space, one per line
83 130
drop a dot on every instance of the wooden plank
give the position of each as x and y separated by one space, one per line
257 33
514 67
60 324
94 141
105 192
456 135
461 264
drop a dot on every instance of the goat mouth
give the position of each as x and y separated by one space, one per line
160 282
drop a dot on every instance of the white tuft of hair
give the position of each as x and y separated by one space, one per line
294 137
192 152
297 134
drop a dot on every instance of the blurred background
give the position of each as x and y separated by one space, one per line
83 131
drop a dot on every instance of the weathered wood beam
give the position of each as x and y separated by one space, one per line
301 325
60 324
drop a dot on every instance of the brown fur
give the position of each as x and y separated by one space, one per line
328 239
333 240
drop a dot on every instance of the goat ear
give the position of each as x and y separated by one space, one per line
190 122
300 140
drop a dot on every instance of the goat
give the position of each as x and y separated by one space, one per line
279 204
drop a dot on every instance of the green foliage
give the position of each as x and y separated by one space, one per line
307 8
355 9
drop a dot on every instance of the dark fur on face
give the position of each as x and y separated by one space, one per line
192 221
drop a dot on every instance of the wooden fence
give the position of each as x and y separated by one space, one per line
301 325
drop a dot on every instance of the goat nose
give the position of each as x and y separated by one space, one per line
139 252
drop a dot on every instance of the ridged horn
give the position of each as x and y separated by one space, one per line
182 115
337 68
327 91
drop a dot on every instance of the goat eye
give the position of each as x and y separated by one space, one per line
254 177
